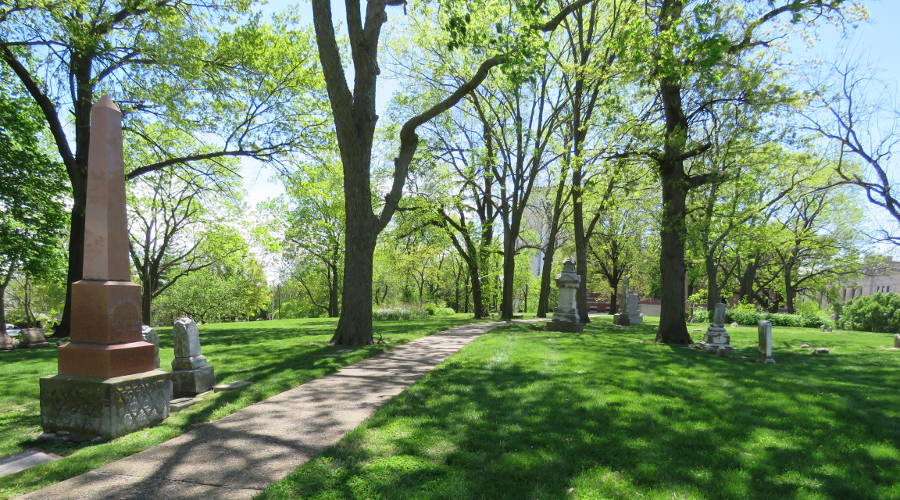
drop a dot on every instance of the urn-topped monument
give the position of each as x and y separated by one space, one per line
565 317
108 382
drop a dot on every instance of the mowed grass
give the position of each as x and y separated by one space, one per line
522 413
274 355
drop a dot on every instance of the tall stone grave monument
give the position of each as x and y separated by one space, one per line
108 384
190 373
565 317
765 342
716 336
631 304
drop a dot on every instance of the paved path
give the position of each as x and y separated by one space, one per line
239 455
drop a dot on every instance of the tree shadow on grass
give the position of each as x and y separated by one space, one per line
618 421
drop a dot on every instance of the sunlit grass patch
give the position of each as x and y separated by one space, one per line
523 413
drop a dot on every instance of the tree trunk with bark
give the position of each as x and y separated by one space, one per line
672 320
509 274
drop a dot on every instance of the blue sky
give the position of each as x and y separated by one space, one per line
875 42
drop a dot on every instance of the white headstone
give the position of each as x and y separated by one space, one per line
765 342
150 336
187 345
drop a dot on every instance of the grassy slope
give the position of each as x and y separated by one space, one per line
522 413
275 355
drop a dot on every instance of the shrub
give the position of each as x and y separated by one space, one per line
436 310
700 316
743 314
872 313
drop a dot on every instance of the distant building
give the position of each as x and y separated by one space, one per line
880 278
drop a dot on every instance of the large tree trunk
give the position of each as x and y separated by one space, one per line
355 323
790 292
509 274
477 294
672 326
333 292
77 171
3 307
675 185
146 303
543 306
76 250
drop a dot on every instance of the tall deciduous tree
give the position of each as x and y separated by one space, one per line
866 131
355 119
171 62
699 51
171 216
32 190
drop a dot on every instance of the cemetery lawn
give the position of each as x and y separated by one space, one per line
274 355
523 413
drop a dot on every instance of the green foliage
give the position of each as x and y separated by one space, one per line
32 187
436 310
234 287
743 314
872 313
748 315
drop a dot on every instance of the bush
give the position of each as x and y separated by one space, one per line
743 314
872 313
747 315
436 310
700 316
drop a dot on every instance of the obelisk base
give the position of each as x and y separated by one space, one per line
90 407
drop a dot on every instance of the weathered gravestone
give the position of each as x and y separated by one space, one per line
716 336
631 303
6 342
565 317
108 384
190 373
150 335
897 340
34 338
765 342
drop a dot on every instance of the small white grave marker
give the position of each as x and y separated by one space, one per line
765 342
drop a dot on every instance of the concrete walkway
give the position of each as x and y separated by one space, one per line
239 455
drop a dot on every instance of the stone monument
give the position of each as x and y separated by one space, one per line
33 338
6 342
632 308
190 373
716 337
897 340
565 316
149 335
765 342
107 384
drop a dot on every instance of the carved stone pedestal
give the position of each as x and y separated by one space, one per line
88 407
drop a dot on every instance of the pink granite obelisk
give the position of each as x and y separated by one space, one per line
107 366
106 305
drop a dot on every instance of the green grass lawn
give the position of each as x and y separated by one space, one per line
274 355
522 413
